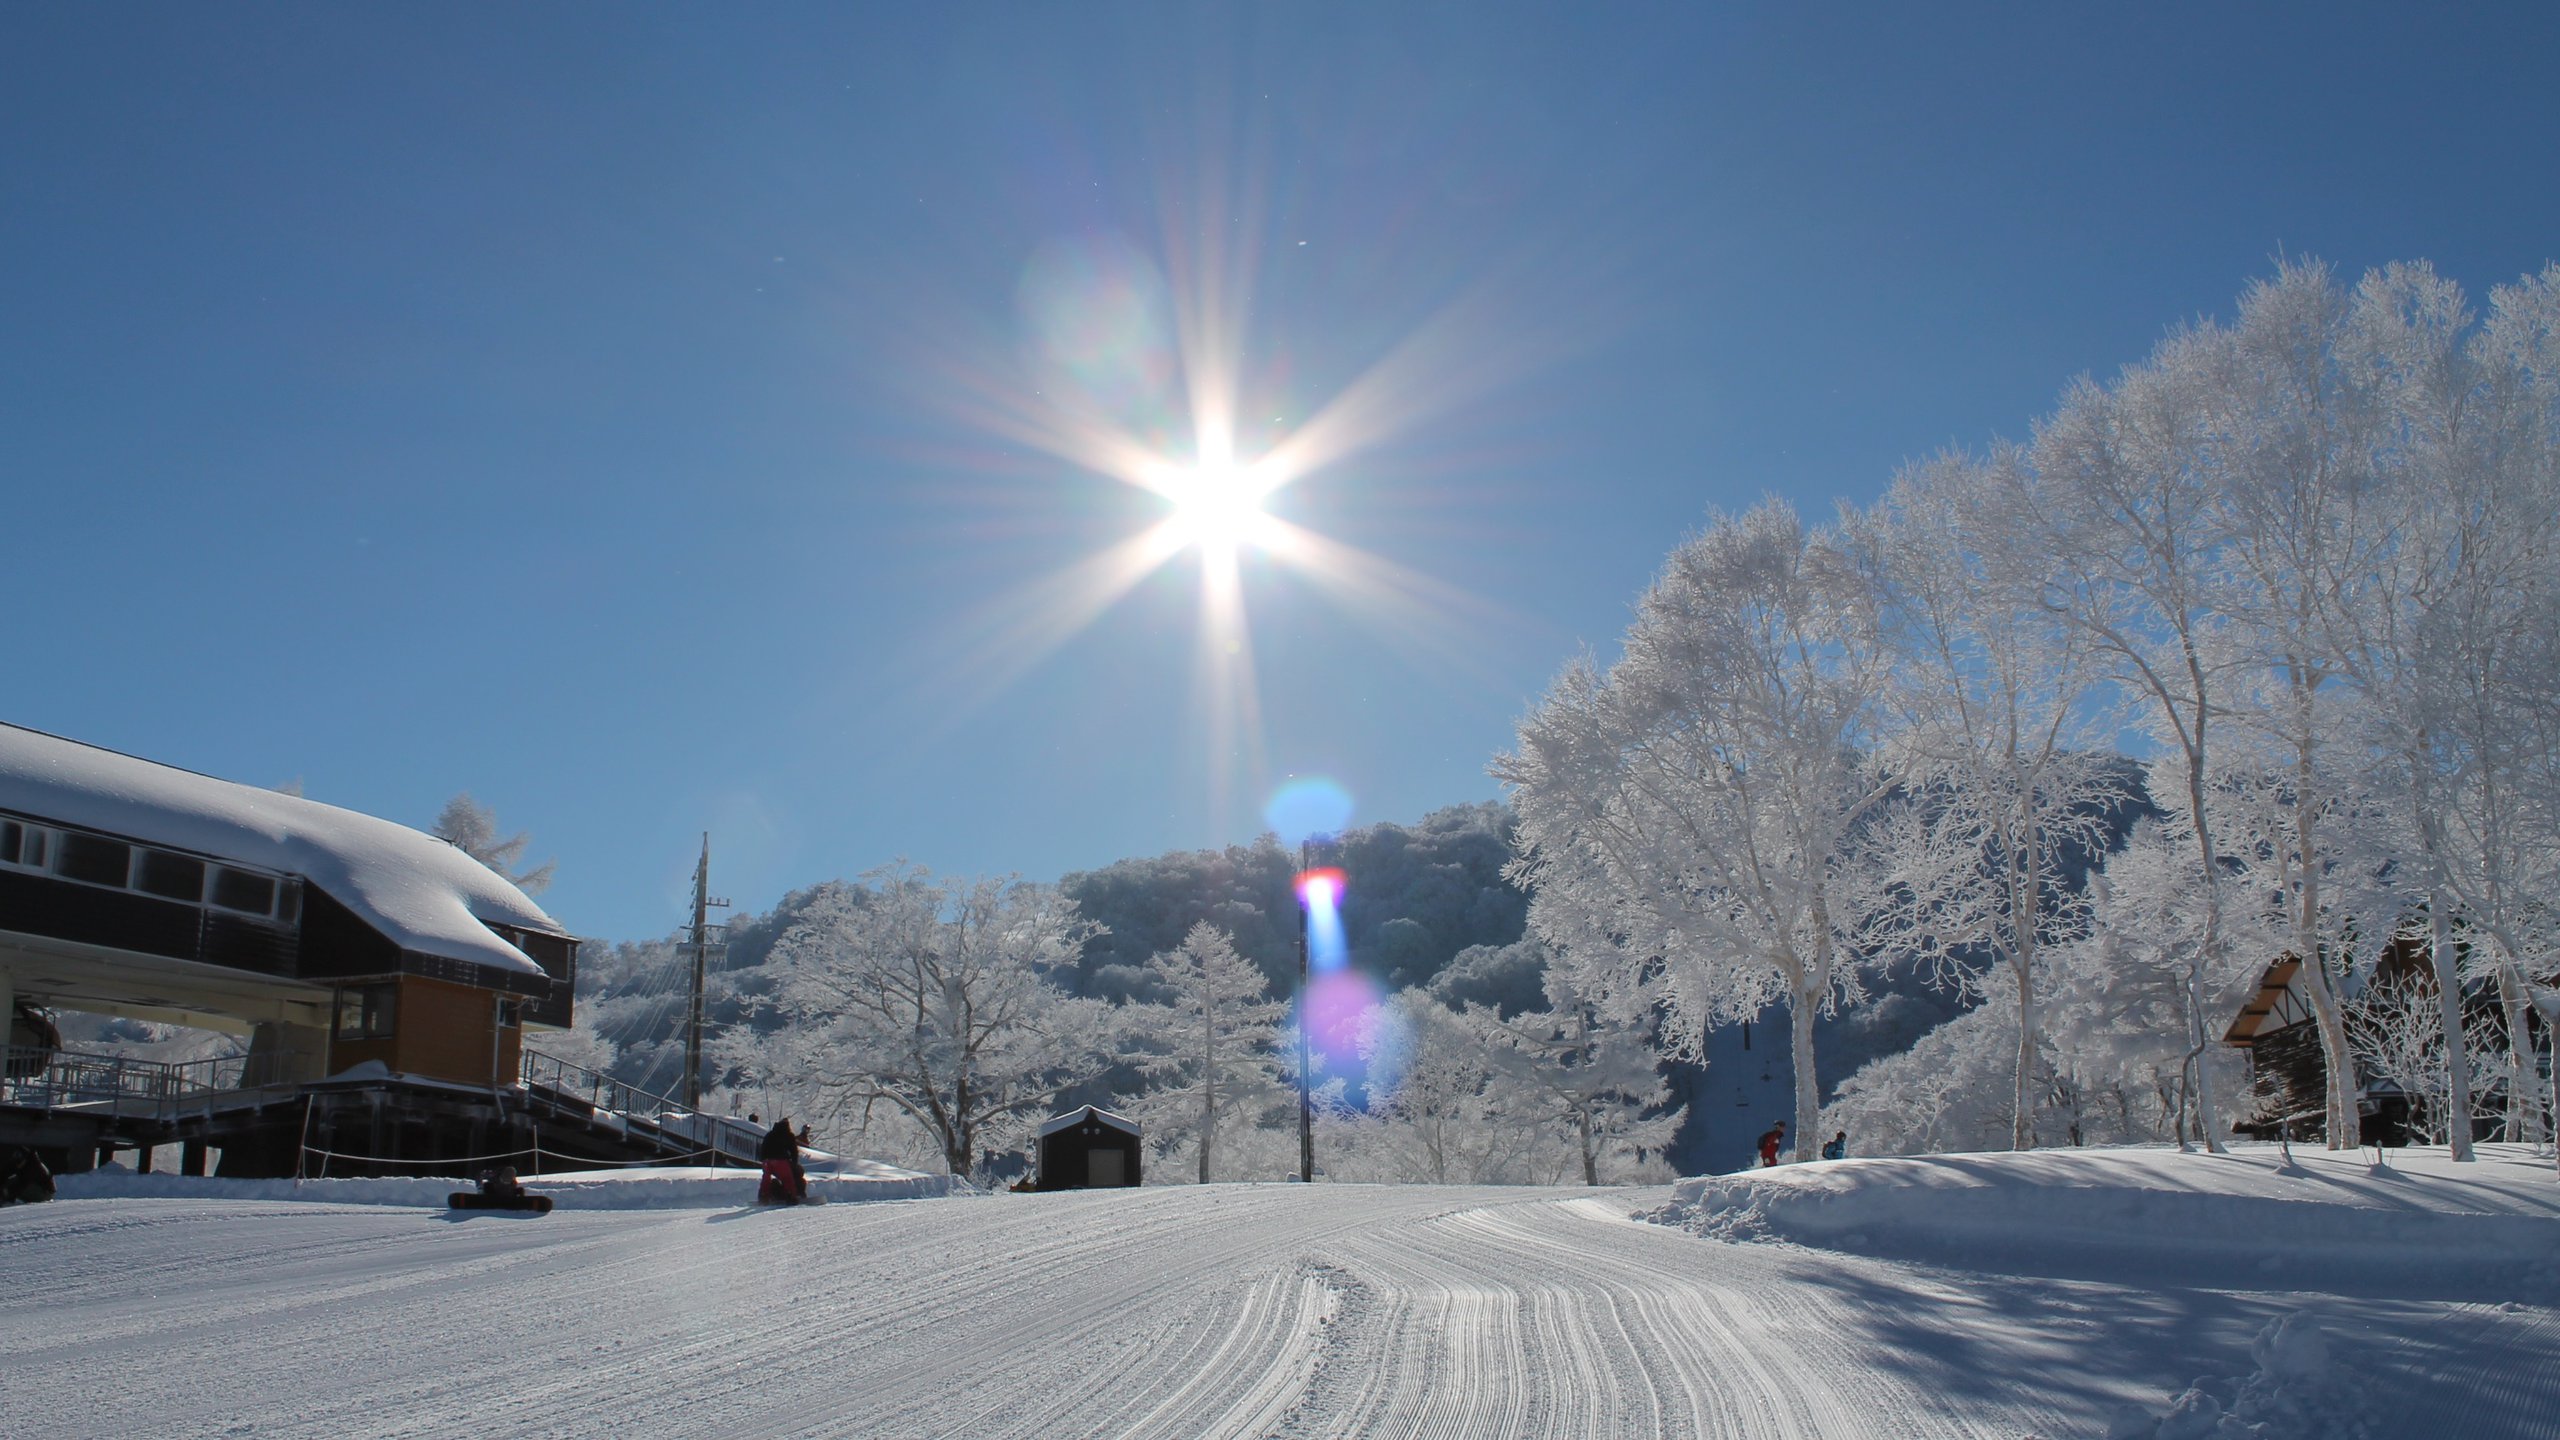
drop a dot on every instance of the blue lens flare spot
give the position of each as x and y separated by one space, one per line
1320 891
1307 807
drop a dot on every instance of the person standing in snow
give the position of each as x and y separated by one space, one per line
784 1184
1770 1140
1837 1147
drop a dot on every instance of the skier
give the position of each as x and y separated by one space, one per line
1770 1140
784 1182
1837 1147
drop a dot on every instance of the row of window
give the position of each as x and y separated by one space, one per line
372 1012
115 864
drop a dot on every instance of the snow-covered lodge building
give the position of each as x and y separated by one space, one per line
383 979
2289 1074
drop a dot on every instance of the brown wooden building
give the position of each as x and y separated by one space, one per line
383 980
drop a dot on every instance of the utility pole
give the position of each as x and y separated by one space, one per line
703 904
1306 1107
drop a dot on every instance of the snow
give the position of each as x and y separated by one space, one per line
1073 1118
425 894
141 1306
2417 1218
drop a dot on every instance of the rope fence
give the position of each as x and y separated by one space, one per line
580 1162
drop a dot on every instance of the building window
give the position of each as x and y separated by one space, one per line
23 844
177 877
93 859
239 890
367 1012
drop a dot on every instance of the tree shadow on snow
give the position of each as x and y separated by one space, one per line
2093 1348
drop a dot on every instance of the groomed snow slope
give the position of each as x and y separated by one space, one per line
1174 1312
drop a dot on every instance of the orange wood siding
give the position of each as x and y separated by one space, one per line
442 1031
445 1030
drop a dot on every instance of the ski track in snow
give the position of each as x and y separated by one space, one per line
1177 1312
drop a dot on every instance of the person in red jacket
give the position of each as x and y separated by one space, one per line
1770 1141
784 1183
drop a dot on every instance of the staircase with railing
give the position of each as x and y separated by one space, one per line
579 1110
651 1125
162 1091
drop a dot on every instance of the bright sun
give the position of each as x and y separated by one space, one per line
1217 507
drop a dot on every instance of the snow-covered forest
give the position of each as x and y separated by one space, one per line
2250 650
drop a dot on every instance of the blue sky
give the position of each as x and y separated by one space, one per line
593 407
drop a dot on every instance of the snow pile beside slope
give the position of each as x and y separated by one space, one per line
668 1188
2245 1219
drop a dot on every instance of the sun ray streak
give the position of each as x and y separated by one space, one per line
1426 620
1226 691
1005 637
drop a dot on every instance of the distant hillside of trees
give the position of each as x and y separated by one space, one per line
1418 897
1426 908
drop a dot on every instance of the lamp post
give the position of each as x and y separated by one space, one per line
1306 1106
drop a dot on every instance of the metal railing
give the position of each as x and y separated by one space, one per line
42 1078
641 1114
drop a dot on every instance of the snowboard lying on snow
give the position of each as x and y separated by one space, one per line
469 1200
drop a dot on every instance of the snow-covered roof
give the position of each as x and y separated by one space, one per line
1074 1118
425 894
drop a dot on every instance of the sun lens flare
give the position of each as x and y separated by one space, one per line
1337 1007
1320 891
1131 361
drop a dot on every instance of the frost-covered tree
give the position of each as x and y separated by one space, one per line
583 1044
2129 995
2449 647
933 999
2118 496
2399 1038
1581 1073
472 828
1706 798
2307 521
1440 1110
1217 1031
1995 739
1954 1090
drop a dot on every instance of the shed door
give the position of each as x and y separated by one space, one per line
1106 1167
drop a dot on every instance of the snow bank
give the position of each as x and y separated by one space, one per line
638 1188
425 894
2243 1220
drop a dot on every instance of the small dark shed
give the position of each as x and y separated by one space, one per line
1088 1149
